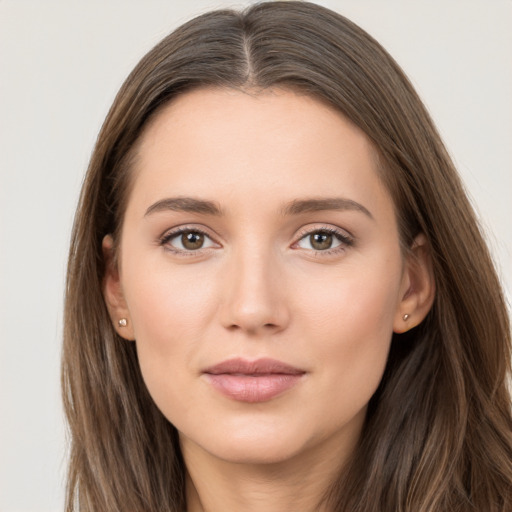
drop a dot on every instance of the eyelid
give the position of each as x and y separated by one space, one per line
346 238
171 233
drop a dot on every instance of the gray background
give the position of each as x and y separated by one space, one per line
61 64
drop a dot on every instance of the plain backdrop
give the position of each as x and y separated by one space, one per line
61 64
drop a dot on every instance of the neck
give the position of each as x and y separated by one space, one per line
214 484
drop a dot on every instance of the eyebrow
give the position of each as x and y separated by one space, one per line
295 207
185 204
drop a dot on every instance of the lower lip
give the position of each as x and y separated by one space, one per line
253 388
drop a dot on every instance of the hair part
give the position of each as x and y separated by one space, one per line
438 430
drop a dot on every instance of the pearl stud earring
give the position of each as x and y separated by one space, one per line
405 317
123 322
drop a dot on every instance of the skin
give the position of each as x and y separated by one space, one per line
258 288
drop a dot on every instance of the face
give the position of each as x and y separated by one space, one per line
261 273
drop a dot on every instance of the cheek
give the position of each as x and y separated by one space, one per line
169 309
359 298
169 303
350 319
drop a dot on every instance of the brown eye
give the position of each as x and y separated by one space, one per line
187 240
320 241
192 240
324 240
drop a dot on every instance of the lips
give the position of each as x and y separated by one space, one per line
253 381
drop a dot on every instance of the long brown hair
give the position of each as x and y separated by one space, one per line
438 430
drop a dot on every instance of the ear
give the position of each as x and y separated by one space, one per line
417 290
113 292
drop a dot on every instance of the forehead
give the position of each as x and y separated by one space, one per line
240 145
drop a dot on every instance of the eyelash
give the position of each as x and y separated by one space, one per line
344 239
169 235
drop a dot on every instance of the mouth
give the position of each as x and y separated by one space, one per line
253 381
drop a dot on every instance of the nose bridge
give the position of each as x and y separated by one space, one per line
255 299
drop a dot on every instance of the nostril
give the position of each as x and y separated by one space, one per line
253 328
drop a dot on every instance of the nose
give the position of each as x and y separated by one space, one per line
255 296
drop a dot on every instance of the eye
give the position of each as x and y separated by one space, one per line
187 240
324 240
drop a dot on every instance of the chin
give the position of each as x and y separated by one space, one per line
258 444
255 452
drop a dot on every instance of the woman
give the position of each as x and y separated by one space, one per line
278 295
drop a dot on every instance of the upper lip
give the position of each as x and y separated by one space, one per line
263 366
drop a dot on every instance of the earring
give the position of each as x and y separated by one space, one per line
405 317
122 322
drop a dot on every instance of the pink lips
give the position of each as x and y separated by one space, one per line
252 381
